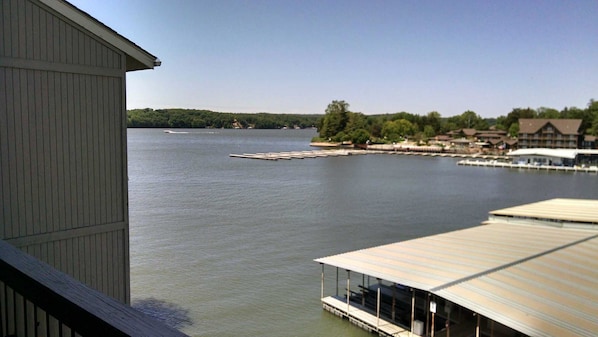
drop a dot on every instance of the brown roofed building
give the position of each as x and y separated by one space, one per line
589 142
549 133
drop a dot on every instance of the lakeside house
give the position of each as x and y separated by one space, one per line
527 271
549 133
64 248
589 142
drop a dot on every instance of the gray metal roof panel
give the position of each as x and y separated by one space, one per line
575 210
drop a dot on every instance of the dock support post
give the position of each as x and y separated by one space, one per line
322 289
477 326
363 289
348 290
394 286
433 313
378 309
412 310
427 309
336 281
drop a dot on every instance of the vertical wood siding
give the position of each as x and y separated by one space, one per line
63 146
87 259
30 32
61 166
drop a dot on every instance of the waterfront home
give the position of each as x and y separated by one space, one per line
64 248
549 133
589 142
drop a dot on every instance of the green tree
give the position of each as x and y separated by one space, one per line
434 120
471 120
356 121
429 131
548 113
515 114
360 136
500 123
514 130
375 126
593 116
395 130
335 120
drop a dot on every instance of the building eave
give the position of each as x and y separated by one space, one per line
137 57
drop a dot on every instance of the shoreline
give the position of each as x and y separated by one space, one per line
476 159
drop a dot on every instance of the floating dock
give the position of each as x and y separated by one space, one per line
350 152
361 317
299 154
494 163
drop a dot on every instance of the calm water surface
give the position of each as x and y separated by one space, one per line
231 241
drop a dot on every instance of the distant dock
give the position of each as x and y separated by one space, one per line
299 154
488 163
350 152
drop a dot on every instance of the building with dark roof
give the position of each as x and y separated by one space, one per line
589 142
549 133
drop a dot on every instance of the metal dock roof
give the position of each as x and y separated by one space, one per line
539 280
569 210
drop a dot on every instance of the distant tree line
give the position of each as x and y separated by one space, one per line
191 118
340 124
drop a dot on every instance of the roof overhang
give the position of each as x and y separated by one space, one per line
137 57
558 153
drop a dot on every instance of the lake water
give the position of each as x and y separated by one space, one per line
230 242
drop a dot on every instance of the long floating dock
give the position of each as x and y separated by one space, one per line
351 152
487 163
299 154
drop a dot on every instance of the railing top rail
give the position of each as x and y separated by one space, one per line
86 310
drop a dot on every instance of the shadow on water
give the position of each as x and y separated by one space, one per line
170 314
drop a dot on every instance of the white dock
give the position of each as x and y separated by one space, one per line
362 318
299 154
351 152
493 163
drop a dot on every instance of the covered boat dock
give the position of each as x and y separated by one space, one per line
555 157
529 270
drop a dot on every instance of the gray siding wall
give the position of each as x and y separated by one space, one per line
63 182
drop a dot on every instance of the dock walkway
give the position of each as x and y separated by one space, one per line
363 318
350 152
299 154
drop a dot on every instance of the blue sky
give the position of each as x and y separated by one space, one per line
379 56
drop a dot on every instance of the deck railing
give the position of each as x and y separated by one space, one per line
38 300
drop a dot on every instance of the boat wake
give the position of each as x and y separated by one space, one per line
170 131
